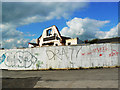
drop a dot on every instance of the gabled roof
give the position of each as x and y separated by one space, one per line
57 31
40 36
62 37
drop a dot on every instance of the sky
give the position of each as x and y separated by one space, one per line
23 22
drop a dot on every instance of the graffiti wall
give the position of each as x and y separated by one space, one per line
60 57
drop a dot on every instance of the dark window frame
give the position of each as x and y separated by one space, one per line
49 32
69 43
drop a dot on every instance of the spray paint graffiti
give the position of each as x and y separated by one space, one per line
52 55
37 54
2 58
38 65
75 53
78 51
61 54
21 59
64 52
113 53
96 50
60 57
58 53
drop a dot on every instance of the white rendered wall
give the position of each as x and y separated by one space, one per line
44 35
72 41
60 57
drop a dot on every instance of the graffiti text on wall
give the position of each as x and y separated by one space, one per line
20 59
72 52
2 58
96 50
113 53
60 53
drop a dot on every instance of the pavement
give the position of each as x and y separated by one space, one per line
86 78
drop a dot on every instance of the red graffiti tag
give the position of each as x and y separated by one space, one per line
114 52
89 53
100 55
83 53
96 50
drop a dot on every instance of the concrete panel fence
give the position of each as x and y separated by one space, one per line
61 57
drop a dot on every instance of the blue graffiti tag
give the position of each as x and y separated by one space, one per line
2 58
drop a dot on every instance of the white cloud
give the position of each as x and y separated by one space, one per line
11 37
53 10
14 43
45 0
10 40
9 32
33 41
20 13
113 32
26 12
60 0
103 0
29 35
83 28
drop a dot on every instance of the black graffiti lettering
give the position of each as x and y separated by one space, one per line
54 54
48 52
9 62
72 49
78 51
57 53
64 52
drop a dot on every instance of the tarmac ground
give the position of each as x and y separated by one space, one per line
86 78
